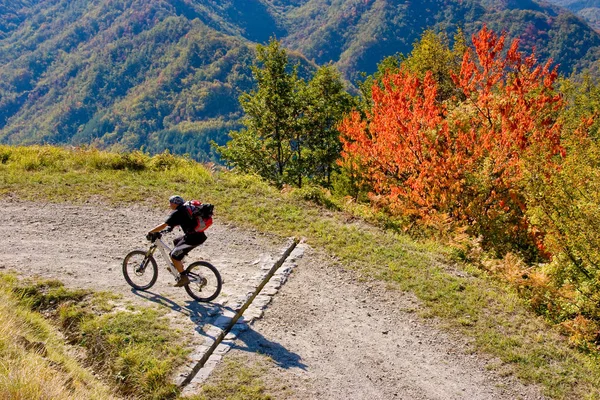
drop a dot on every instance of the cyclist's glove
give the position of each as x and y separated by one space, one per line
151 236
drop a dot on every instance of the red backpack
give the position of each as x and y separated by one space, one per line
202 213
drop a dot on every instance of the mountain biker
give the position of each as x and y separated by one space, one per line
183 244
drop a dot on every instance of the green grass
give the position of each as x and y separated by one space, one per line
481 308
35 363
236 379
135 351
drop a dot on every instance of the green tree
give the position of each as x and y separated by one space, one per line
290 132
567 206
268 143
583 101
327 103
433 53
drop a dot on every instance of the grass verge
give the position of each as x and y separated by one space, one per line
134 351
34 361
471 302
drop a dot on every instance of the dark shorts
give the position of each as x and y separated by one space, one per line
185 244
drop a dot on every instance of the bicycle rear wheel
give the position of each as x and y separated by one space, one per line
205 281
139 270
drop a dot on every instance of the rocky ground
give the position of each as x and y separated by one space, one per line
329 335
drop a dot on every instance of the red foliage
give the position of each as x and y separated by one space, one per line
464 158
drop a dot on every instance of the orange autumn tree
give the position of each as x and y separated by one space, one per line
464 158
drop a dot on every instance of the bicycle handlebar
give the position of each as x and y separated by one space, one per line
157 235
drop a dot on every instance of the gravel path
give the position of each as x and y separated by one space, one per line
329 335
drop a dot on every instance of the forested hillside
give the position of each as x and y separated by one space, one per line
356 33
128 74
121 74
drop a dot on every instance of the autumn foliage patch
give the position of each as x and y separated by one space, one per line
463 158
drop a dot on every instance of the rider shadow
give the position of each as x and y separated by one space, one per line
250 340
253 342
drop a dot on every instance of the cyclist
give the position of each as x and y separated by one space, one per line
183 244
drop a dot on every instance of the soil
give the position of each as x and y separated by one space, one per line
329 333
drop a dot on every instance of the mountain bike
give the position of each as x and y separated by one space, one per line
141 271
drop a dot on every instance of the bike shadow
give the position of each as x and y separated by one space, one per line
194 310
249 340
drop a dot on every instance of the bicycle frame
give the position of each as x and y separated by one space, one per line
206 280
164 251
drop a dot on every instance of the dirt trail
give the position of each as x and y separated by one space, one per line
329 336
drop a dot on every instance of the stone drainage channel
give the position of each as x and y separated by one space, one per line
224 330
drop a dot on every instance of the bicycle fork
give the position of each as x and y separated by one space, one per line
150 251
142 267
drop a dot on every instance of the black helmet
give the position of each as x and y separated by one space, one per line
176 200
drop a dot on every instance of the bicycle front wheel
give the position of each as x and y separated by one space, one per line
140 271
205 281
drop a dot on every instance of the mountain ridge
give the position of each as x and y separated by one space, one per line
132 74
